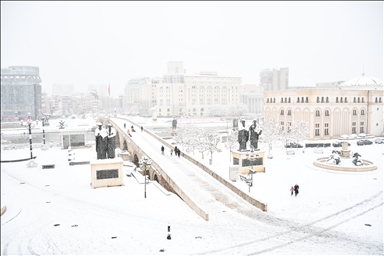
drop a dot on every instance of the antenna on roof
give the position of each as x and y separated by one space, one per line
363 70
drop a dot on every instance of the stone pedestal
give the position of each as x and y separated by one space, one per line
107 172
345 152
240 159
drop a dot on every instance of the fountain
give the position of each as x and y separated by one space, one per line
342 161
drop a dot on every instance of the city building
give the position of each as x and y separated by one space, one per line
20 93
275 79
180 94
353 107
62 89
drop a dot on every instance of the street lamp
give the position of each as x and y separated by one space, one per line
30 133
145 165
251 156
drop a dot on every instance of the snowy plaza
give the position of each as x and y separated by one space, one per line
55 211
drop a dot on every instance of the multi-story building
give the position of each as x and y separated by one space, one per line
254 99
275 79
20 93
353 107
179 94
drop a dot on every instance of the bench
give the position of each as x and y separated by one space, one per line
48 165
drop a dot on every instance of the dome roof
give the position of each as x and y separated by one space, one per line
363 81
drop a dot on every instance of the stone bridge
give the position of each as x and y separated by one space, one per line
158 174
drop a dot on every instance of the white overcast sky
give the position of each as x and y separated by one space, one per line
85 43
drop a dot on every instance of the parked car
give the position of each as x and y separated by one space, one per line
293 145
379 140
364 142
336 144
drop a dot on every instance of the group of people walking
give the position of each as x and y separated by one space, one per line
295 189
176 151
132 128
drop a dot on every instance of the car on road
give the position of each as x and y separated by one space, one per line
379 140
293 145
364 142
336 144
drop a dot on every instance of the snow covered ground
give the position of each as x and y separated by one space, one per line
55 211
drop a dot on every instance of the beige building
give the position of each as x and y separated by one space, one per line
353 107
178 94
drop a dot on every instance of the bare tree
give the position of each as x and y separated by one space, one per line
231 141
270 132
299 131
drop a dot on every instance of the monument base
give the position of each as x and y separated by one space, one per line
246 161
345 153
107 172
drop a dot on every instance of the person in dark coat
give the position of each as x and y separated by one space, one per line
142 128
296 187
178 152
162 150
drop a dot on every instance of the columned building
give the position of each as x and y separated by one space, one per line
353 107
20 93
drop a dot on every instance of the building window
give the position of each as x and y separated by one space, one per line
274 100
326 112
289 112
281 112
376 100
285 100
317 113
337 99
298 99
289 100
361 129
326 126
362 112
306 99
318 100
345 100
317 129
327 100
341 99
353 127
302 99
281 100
354 99
358 100
362 99
267 100
380 99
322 99
354 112
282 126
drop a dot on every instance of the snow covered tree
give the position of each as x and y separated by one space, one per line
231 141
270 132
237 109
209 142
299 131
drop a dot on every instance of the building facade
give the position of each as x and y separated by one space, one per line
354 107
275 79
20 93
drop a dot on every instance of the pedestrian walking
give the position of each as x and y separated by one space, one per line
162 150
129 133
142 128
133 128
178 152
171 151
292 189
125 125
296 189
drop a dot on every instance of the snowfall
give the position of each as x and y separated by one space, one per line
57 212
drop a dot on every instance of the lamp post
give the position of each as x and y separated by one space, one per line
145 165
251 156
30 133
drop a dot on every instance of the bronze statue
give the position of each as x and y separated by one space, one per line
255 131
101 143
111 145
243 136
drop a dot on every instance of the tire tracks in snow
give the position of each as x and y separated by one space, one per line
309 229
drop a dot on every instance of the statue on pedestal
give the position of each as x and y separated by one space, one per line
356 161
243 136
255 131
174 124
334 158
111 145
101 142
